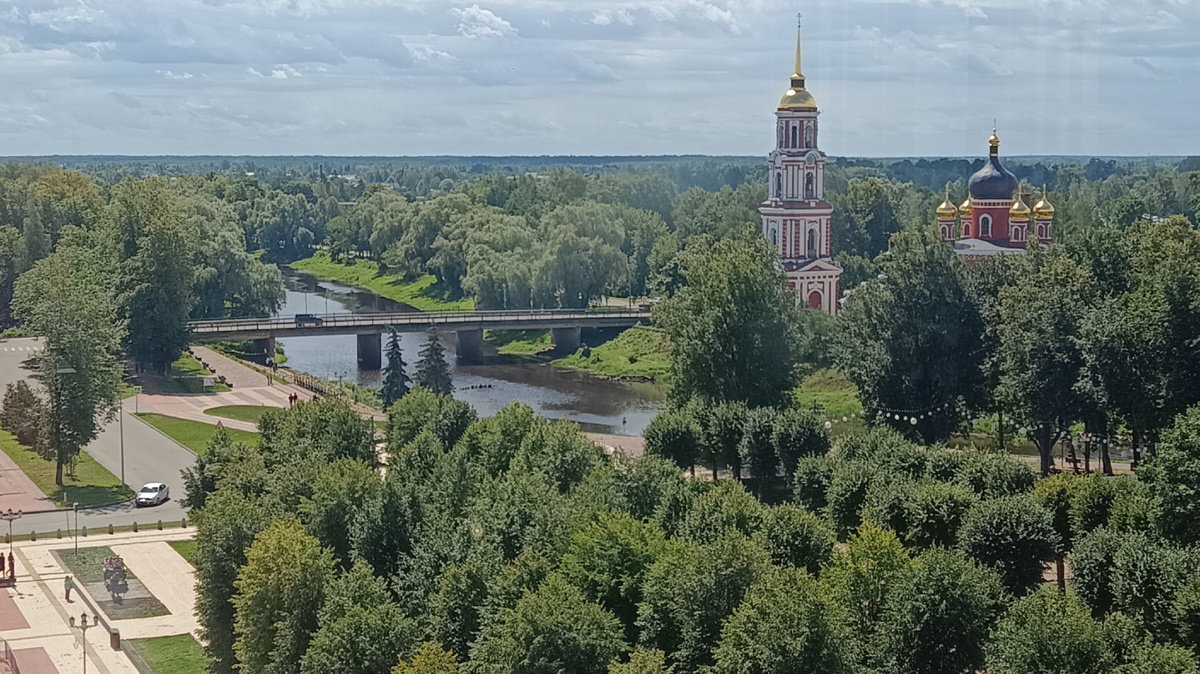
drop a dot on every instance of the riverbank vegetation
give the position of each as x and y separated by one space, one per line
519 342
636 353
424 293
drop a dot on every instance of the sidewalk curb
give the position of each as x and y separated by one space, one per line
91 507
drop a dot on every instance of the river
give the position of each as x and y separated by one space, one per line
598 405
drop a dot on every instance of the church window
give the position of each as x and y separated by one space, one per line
945 232
794 141
985 225
1041 231
774 237
809 189
812 243
1018 234
808 135
779 185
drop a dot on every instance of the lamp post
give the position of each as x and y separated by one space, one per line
75 508
83 627
10 516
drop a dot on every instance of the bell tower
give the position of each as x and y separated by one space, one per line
795 216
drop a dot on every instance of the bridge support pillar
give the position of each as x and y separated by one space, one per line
262 349
566 340
370 351
470 346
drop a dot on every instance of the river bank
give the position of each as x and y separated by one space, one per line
424 294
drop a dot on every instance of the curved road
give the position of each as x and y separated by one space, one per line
150 456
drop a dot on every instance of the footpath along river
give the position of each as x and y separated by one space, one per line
598 405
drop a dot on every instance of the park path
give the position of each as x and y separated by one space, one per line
17 491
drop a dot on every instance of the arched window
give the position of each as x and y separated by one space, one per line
810 190
966 230
808 135
1041 231
812 243
794 141
1018 233
985 225
779 185
945 232
774 237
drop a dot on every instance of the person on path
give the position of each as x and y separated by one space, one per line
70 585
1 565
12 567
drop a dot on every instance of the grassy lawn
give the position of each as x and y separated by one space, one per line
91 484
186 549
519 342
830 393
87 566
250 413
637 352
179 654
187 376
424 293
195 435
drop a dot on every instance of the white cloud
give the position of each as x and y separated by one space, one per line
606 17
253 72
284 72
476 22
169 75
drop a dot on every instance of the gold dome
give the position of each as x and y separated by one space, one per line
1043 209
947 211
1019 210
796 97
966 209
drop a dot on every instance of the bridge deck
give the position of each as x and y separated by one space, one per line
361 324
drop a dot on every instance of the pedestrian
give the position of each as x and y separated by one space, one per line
1 565
12 566
69 585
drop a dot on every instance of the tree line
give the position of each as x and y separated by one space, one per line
513 544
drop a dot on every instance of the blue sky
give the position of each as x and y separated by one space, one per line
529 77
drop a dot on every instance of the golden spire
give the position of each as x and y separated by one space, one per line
994 142
796 97
1019 210
1043 209
947 211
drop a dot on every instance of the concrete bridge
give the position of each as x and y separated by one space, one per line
565 326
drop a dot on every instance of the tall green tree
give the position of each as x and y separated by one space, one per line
63 300
280 591
910 340
395 379
433 372
1041 358
733 326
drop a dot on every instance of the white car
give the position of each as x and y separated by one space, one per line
152 493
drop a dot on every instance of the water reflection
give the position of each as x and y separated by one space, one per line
596 404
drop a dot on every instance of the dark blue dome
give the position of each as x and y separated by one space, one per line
993 181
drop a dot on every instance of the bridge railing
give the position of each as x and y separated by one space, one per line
431 319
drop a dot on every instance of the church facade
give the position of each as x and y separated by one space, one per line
795 216
995 219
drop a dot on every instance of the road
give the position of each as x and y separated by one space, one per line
150 456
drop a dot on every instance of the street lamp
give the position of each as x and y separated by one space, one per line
75 507
10 516
83 627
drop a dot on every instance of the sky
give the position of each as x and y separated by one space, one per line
595 77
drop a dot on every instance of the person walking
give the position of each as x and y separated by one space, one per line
69 585
12 566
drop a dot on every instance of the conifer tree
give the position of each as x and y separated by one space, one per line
395 379
432 371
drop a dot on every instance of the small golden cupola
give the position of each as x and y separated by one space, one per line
966 209
1043 209
797 97
1019 210
947 211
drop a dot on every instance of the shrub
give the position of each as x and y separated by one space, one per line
795 537
1049 631
862 574
1091 502
756 448
937 618
1054 494
1174 476
674 435
1146 576
1091 564
934 513
1133 506
1014 535
725 507
787 623
994 475
810 482
846 495
884 503
23 414
798 434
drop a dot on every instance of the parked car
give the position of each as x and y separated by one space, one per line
152 493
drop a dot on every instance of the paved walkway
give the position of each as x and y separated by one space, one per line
34 616
17 491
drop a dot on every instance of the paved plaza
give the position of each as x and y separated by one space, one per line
34 615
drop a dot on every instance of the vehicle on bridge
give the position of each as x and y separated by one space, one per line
308 319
